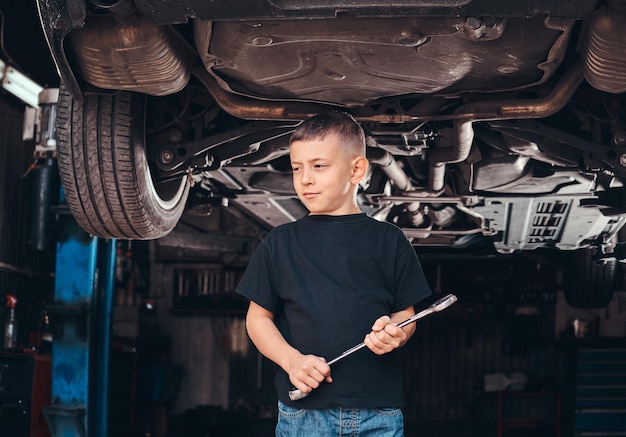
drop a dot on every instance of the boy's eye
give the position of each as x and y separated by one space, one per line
319 166
294 169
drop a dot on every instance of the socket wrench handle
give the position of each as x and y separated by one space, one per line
441 304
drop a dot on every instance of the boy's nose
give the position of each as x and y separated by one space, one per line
306 178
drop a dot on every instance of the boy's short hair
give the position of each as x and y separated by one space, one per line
341 124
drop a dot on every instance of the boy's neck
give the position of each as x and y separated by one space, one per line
347 212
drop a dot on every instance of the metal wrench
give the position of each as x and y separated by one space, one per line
441 304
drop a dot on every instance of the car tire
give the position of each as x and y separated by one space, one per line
592 283
105 172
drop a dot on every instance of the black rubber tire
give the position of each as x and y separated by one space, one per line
588 283
105 171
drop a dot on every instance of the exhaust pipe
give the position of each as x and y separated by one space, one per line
467 114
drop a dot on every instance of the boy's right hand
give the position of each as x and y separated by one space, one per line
306 372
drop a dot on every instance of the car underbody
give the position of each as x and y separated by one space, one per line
485 121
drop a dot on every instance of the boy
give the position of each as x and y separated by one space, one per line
317 285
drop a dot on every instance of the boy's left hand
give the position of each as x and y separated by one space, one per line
385 336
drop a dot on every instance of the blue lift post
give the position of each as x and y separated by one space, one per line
82 309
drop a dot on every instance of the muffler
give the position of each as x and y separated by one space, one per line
132 54
604 51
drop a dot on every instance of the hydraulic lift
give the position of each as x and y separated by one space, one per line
80 353
83 292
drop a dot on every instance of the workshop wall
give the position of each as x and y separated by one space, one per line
14 161
200 344
602 322
448 362
26 274
193 272
23 272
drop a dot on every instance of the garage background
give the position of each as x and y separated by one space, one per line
510 358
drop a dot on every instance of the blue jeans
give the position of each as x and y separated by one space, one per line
344 422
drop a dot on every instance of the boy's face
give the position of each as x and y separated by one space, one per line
325 177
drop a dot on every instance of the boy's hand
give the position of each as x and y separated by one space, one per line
385 336
306 372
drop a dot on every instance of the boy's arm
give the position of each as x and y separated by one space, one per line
306 372
386 336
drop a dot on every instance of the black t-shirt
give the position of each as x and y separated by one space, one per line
327 279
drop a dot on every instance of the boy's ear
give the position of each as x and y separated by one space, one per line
359 169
